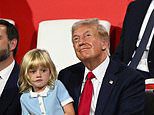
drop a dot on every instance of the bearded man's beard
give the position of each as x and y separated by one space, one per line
4 54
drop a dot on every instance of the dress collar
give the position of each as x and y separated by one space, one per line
40 94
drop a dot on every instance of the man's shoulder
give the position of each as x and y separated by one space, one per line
16 68
15 71
123 71
139 4
16 65
75 67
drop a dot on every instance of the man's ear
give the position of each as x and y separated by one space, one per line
13 44
104 45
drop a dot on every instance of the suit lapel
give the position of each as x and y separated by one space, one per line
78 75
77 88
152 46
10 89
108 84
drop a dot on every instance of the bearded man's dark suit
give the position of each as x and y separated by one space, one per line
124 97
10 98
134 17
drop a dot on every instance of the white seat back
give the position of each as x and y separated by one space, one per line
55 37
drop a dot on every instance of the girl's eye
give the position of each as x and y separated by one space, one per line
32 71
43 70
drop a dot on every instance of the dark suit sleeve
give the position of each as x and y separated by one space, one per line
119 52
132 97
14 107
63 78
66 78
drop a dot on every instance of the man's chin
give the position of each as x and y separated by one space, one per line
84 58
4 55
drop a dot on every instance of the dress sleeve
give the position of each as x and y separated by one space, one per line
23 107
63 94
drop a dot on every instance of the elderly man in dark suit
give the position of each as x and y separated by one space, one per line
113 89
9 69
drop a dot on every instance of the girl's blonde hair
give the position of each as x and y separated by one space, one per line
33 59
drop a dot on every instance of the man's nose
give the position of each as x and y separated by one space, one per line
81 40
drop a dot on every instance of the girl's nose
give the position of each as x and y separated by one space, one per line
38 73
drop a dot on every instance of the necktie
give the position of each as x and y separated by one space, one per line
142 46
86 96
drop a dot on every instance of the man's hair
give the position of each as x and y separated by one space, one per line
92 22
12 33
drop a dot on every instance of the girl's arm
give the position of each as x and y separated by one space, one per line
65 99
69 109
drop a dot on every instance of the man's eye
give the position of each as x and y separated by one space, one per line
75 38
88 35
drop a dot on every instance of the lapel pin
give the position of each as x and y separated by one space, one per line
111 82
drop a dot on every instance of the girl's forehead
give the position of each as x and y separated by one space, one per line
36 66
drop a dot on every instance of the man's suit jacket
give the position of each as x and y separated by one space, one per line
124 97
134 17
10 98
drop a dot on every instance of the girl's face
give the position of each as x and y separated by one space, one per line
39 78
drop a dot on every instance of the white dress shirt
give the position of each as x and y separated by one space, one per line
5 73
99 73
143 64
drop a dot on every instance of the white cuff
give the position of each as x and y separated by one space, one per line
63 103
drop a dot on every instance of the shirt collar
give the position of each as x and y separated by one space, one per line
5 73
42 94
99 71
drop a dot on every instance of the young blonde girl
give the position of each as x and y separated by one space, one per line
42 93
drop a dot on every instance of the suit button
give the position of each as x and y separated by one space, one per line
149 61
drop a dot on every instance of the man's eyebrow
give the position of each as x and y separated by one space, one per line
83 33
75 35
86 32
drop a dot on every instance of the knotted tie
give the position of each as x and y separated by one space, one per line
86 96
142 46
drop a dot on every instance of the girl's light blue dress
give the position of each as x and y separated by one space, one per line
53 101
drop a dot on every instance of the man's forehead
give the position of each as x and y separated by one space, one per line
84 29
2 27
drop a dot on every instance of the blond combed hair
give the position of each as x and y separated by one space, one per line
33 59
92 22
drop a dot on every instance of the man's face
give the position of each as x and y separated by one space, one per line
87 44
4 44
